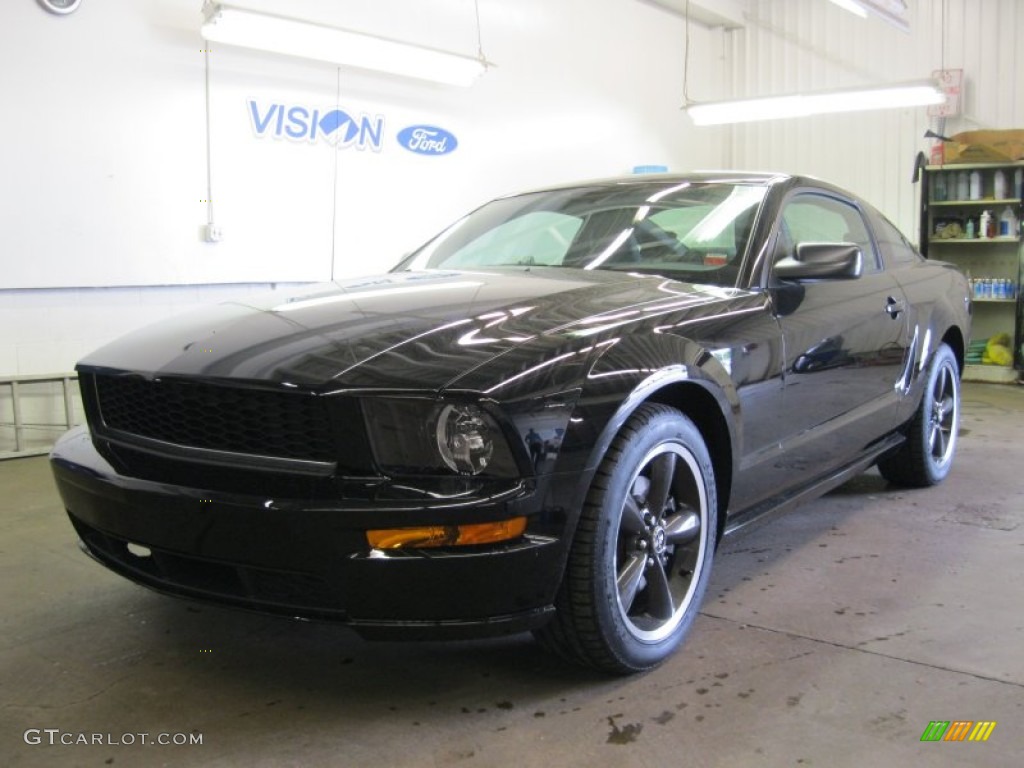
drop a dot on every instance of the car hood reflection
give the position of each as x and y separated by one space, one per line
402 330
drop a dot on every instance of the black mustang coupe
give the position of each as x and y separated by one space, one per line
544 419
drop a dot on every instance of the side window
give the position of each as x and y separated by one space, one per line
823 219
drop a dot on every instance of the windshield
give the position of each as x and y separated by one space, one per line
694 231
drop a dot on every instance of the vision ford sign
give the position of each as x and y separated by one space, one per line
427 140
301 123
308 124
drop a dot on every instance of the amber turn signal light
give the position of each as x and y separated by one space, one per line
446 535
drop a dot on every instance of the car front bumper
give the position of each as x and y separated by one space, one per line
311 559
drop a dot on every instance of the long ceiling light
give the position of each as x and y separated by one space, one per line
894 96
853 7
892 11
293 37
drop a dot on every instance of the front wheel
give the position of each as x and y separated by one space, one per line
640 561
927 456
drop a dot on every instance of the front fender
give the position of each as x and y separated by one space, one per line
630 372
675 364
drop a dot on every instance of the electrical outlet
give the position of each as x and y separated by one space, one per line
212 233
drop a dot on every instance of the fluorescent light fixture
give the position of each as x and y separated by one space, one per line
293 37
853 7
892 11
893 96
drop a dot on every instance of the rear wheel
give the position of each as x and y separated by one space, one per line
640 561
927 456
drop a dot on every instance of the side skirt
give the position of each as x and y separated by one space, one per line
761 513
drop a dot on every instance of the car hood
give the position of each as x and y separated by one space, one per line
401 330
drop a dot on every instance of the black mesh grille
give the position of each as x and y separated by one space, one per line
239 420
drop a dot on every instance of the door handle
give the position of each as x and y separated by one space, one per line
894 307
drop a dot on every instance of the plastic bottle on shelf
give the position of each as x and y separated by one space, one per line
1018 183
975 185
1007 222
999 185
939 193
969 230
962 186
985 225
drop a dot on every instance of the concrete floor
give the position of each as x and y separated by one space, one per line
831 637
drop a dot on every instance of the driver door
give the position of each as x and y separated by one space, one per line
845 341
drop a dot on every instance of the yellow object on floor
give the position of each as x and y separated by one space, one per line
997 350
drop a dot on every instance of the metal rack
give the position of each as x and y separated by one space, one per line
22 435
999 257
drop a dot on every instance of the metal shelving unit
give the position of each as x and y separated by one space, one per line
34 411
996 258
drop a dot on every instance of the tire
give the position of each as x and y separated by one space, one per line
927 456
639 563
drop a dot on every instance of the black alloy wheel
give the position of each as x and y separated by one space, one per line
640 561
927 456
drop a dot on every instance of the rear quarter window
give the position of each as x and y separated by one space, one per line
896 249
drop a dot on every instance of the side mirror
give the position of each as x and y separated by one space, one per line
821 261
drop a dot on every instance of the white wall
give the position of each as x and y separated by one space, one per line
103 148
792 45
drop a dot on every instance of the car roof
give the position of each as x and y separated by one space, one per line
732 177
762 178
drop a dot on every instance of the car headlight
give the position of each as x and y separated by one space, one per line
419 436
464 438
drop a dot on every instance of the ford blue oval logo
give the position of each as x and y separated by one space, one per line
427 140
